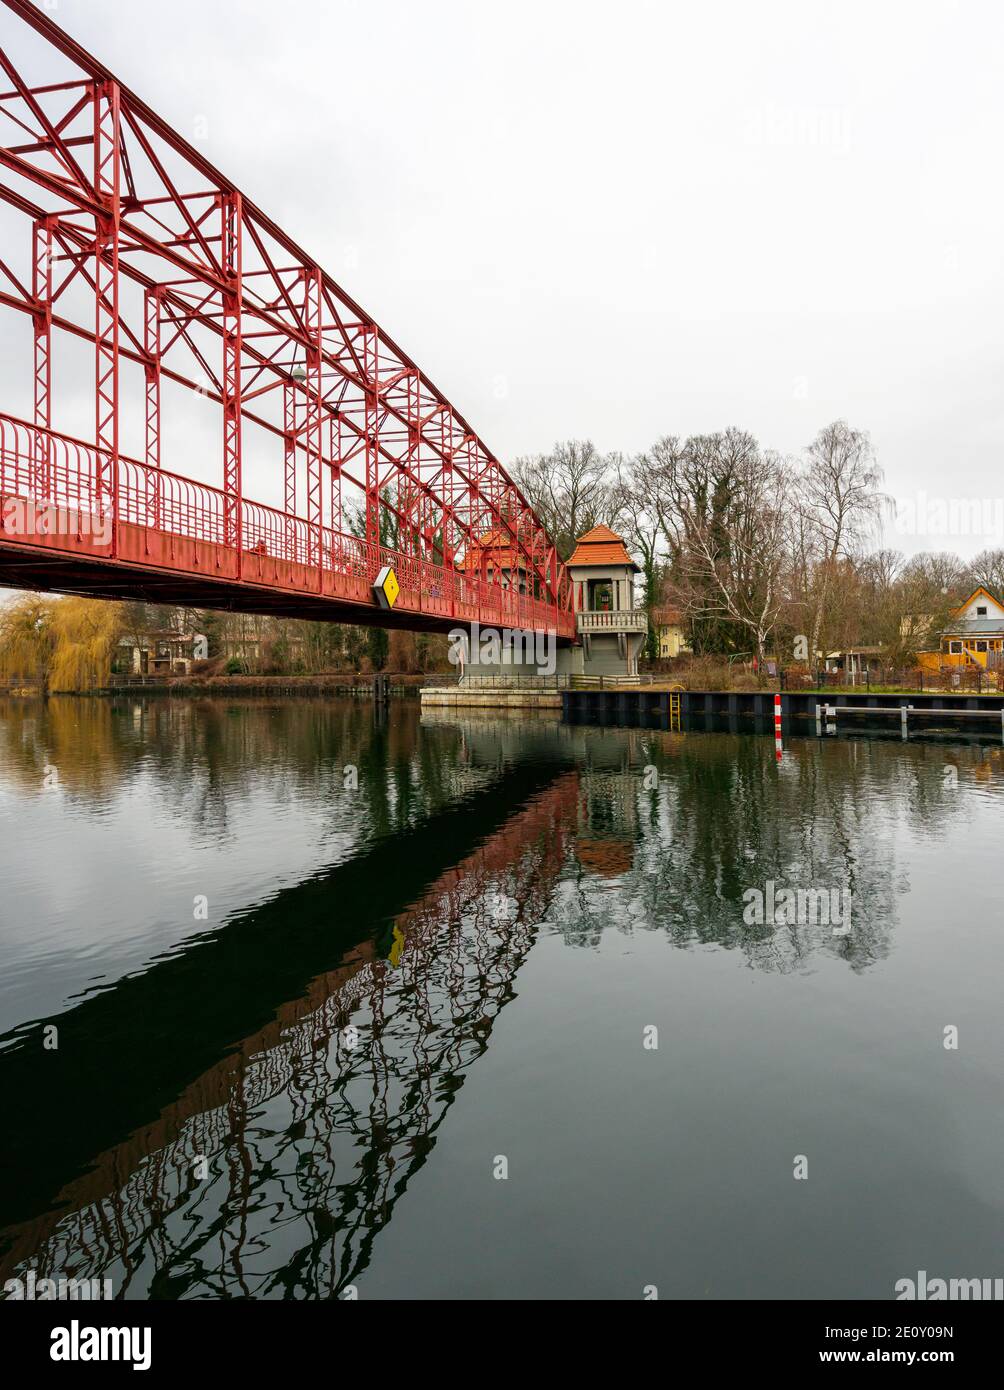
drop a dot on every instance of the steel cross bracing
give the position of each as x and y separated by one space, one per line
137 245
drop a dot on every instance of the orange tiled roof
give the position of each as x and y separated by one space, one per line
601 546
498 545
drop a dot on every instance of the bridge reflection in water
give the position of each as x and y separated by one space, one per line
274 1170
240 1117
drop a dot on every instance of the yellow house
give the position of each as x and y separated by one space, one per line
670 631
973 635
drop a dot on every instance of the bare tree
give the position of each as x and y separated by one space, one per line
572 489
879 617
840 487
927 588
937 572
724 507
882 568
986 570
639 506
650 473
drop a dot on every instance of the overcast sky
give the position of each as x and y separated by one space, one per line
617 221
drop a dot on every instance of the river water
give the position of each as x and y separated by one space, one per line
300 1000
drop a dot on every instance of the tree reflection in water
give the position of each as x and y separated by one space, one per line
269 1165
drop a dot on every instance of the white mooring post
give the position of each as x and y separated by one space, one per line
903 715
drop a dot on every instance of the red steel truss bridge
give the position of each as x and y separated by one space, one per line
166 277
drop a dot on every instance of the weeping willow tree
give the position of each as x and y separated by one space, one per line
65 644
26 640
86 632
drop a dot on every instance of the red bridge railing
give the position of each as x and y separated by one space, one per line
44 473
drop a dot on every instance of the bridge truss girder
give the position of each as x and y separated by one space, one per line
188 280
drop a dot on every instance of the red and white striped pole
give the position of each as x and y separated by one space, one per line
778 746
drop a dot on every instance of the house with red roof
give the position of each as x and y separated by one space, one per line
610 627
490 553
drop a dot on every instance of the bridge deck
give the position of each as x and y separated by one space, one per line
161 537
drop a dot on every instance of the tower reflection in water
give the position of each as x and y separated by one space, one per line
239 1118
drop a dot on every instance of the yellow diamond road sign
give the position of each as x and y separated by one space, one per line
386 588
